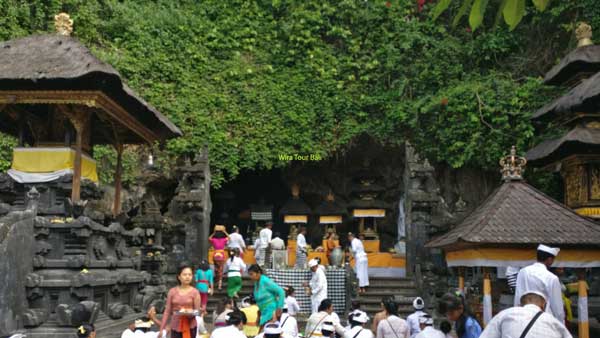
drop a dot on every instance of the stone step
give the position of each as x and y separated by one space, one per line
380 292
391 284
400 300
372 309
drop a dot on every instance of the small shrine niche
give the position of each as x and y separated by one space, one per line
330 214
295 212
367 206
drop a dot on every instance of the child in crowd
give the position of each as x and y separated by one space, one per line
453 305
290 301
204 283
250 309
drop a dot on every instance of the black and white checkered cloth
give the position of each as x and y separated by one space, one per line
336 285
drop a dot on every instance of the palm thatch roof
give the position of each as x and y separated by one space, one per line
516 214
56 62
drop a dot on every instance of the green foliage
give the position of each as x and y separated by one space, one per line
7 143
476 120
254 79
106 159
512 10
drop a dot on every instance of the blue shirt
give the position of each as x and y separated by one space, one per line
204 279
472 328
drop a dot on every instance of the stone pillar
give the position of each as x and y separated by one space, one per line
193 200
421 198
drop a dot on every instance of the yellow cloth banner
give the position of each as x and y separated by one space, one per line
295 219
330 219
378 213
46 160
384 260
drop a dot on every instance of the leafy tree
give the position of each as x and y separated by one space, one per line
511 10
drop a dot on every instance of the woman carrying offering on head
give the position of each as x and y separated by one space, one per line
218 239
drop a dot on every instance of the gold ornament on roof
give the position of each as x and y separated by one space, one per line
63 24
584 34
513 166
295 190
330 197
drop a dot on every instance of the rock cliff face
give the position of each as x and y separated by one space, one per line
16 250
438 197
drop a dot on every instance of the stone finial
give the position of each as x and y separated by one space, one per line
330 197
512 166
295 190
583 34
63 24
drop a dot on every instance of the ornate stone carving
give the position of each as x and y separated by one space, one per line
75 315
42 247
99 246
34 293
33 280
34 317
77 261
116 310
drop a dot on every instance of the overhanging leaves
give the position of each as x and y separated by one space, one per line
477 13
513 12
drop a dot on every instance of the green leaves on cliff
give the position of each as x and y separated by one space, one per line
477 120
254 79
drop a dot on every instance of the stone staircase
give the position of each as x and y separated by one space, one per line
219 295
402 289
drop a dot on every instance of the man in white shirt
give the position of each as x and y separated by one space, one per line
289 325
511 323
265 236
321 321
361 263
277 243
537 277
235 323
427 330
301 248
413 318
358 319
317 285
237 241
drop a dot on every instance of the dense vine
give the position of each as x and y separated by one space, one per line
255 79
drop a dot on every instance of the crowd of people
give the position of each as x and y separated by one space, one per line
271 310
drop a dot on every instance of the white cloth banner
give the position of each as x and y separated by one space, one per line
23 177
